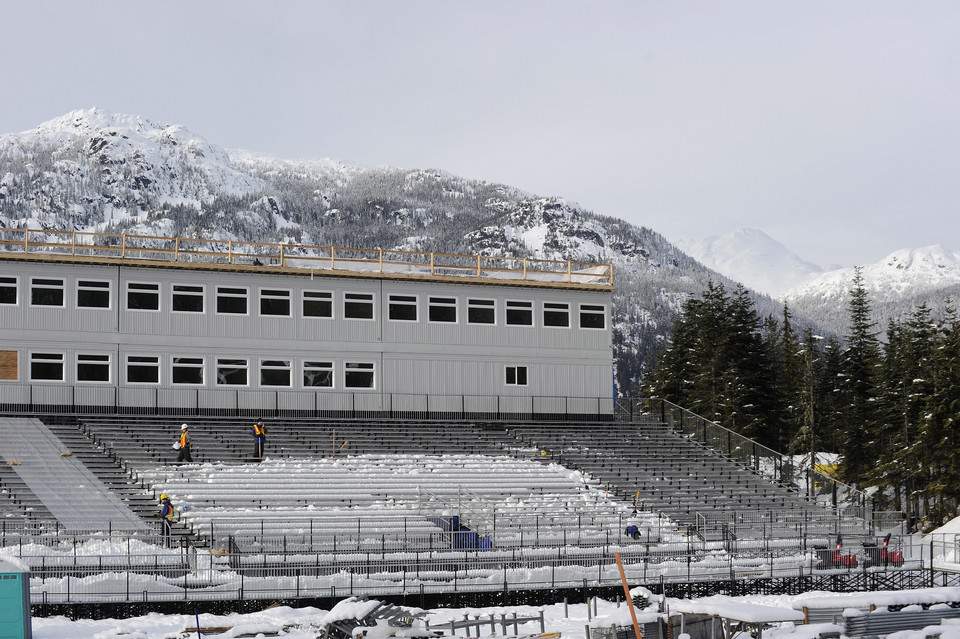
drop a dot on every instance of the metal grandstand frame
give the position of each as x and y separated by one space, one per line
848 501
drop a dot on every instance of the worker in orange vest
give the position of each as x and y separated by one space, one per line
259 439
185 445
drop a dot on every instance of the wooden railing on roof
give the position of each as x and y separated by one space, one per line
297 256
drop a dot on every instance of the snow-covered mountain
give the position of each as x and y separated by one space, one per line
754 258
895 286
90 170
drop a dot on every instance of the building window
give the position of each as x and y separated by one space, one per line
443 309
516 376
481 311
274 302
358 375
143 369
275 372
593 316
93 294
46 292
403 308
556 314
520 313
231 301
231 372
93 368
358 305
8 290
46 367
318 374
187 298
143 297
187 370
317 304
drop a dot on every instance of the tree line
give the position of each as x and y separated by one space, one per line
888 407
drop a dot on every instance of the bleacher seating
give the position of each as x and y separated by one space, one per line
637 473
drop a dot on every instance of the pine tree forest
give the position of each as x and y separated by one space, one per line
887 406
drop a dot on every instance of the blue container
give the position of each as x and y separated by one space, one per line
14 600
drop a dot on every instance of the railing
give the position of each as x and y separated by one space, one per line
295 256
65 398
748 453
239 575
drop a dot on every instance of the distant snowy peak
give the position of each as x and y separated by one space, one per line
753 258
903 272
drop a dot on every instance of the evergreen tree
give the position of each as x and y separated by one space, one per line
938 436
718 365
829 397
860 363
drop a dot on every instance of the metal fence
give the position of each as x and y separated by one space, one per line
228 575
40 398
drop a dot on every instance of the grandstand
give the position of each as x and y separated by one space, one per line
401 503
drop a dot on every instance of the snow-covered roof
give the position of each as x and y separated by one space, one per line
735 609
229 254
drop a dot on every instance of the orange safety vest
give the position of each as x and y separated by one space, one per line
183 440
167 511
258 430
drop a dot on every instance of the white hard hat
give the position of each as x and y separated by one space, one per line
184 427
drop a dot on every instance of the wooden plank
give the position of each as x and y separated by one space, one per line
8 365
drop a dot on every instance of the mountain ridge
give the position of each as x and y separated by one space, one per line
89 170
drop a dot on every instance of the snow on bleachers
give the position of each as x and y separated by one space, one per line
512 501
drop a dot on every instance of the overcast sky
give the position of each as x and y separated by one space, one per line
833 126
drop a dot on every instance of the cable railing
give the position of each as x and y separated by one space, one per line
266 255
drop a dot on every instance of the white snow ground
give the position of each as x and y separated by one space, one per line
570 621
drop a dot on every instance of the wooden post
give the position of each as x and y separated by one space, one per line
626 591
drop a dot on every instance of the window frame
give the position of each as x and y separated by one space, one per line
556 308
313 296
155 294
408 302
488 304
280 294
176 364
227 293
368 300
518 306
81 289
221 362
592 311
52 358
141 361
351 369
271 365
10 282
516 371
442 304
34 284
107 362
201 294
320 366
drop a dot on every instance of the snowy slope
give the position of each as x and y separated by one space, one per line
895 286
753 258
907 271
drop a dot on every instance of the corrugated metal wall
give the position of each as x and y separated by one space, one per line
411 357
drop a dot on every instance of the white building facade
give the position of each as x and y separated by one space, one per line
257 332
